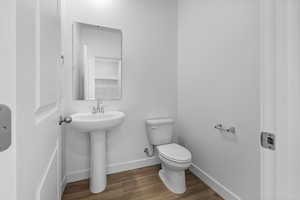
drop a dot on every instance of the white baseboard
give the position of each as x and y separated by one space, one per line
135 164
214 184
114 168
77 176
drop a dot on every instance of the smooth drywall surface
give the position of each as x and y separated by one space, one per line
218 82
149 74
7 94
292 171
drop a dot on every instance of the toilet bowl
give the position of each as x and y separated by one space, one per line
175 159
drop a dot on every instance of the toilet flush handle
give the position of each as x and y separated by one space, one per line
154 127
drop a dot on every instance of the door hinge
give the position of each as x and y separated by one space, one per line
268 140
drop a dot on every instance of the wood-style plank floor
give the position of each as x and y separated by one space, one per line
140 184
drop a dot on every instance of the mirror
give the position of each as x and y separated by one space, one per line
97 62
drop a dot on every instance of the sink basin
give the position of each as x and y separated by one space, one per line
87 122
97 125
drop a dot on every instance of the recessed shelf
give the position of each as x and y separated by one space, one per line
107 59
107 78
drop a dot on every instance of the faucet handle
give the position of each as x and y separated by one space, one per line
102 109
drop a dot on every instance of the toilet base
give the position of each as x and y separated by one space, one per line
173 180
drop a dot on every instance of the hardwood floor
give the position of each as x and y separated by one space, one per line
140 184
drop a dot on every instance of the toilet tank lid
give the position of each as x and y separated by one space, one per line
159 121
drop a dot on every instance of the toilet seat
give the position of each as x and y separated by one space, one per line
175 153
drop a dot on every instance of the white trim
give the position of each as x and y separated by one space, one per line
214 184
268 44
135 164
43 180
77 176
283 103
114 168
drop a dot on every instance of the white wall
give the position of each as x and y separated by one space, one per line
293 37
218 82
282 78
7 94
149 74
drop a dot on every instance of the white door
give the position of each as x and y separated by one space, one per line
7 95
38 100
281 98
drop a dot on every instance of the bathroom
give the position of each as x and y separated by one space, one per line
193 99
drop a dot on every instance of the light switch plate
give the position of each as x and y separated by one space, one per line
5 127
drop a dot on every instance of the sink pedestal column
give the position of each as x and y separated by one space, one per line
98 161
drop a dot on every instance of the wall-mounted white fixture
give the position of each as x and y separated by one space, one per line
175 159
97 125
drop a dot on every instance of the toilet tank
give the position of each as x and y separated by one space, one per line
160 131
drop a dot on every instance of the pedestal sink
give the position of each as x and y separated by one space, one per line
97 126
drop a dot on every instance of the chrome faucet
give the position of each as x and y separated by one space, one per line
99 108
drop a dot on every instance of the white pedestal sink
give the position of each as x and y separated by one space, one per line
97 125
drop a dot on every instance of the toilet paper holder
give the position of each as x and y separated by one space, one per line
223 129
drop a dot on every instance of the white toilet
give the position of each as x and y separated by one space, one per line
175 159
